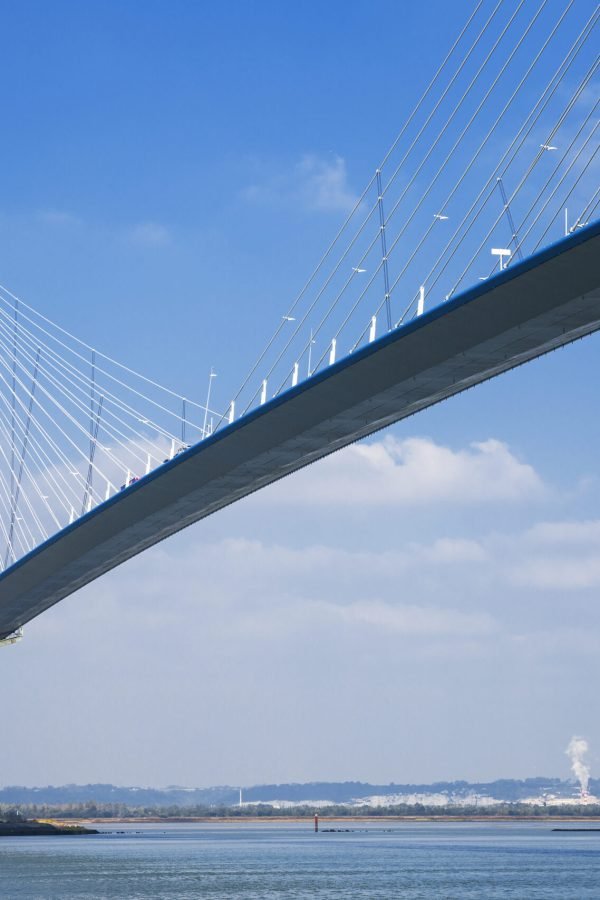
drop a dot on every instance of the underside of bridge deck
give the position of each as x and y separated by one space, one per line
527 310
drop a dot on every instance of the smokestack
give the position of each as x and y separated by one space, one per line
241 804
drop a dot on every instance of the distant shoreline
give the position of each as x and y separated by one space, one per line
308 821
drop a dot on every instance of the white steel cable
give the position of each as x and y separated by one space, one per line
462 229
54 468
65 460
20 533
584 212
79 426
79 451
524 178
118 381
593 210
443 165
572 188
440 135
109 359
44 471
358 204
14 509
549 180
48 466
57 363
3 529
29 473
365 254
82 404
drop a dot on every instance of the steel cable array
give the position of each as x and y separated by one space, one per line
500 140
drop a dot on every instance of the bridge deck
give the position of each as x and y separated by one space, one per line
533 307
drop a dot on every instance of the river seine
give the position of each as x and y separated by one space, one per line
274 860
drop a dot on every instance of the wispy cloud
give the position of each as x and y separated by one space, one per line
417 620
57 217
148 234
314 184
558 556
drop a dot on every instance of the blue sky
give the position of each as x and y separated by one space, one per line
423 606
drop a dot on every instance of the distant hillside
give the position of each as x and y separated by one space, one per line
508 790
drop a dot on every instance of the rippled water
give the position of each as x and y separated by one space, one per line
273 860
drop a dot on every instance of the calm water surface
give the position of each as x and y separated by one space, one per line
456 860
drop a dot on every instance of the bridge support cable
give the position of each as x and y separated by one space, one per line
583 34
79 427
524 179
51 468
21 525
72 431
507 202
410 183
76 378
471 217
442 167
564 158
12 430
546 302
3 531
53 418
46 468
566 197
572 162
88 493
23 453
89 482
139 439
384 257
589 208
513 230
594 208
54 373
357 205
7 504
448 157
583 84
99 369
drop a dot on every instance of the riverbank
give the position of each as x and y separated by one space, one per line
34 828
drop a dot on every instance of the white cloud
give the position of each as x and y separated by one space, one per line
273 628
416 620
324 184
241 590
557 556
57 217
148 234
565 533
556 574
314 184
452 551
394 472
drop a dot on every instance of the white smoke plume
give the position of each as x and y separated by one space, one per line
576 750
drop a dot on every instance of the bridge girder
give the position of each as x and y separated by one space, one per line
531 308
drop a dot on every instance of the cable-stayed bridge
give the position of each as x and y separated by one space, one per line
473 249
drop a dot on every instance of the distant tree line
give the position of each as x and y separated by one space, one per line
91 810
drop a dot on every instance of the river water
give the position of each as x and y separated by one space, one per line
274 860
